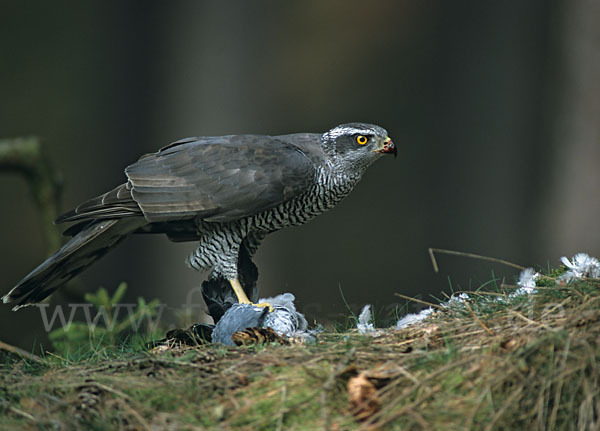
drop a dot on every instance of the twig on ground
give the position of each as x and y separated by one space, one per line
478 320
18 351
533 322
21 413
429 304
436 269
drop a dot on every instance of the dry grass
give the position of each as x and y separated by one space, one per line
520 363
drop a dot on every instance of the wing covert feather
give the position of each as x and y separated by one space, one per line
219 178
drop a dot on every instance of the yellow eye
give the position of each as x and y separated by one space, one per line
361 139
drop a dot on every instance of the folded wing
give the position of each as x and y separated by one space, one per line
217 178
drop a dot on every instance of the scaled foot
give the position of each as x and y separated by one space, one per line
243 299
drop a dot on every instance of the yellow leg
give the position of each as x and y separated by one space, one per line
241 295
239 291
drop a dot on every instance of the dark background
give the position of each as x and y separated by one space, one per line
494 107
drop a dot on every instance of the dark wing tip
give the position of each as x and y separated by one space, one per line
65 217
24 297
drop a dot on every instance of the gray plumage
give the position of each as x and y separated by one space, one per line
237 318
284 320
225 192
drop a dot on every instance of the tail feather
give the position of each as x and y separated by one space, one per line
86 247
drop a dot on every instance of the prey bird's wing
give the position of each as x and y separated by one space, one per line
217 178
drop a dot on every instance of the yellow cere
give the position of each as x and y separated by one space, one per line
361 139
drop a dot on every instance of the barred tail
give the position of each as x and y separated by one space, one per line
86 247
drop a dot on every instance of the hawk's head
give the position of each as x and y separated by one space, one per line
358 143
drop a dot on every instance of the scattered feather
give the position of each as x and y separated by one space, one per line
456 300
528 277
365 324
526 282
411 319
581 266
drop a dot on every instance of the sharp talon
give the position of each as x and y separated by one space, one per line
264 305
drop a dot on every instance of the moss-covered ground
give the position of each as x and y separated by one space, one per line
498 362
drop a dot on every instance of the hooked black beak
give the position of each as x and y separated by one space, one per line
389 148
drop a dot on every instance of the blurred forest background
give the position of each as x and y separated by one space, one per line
495 108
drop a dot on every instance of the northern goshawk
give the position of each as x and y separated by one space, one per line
226 192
